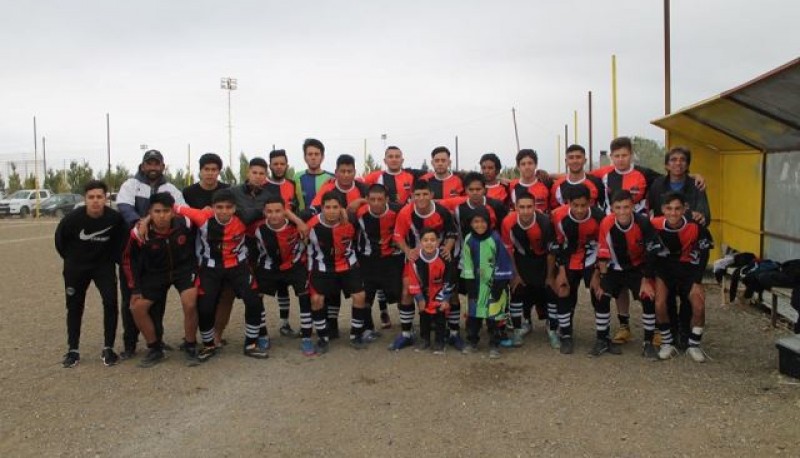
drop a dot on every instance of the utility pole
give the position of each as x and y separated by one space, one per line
614 123
591 154
35 166
108 143
457 152
229 84
516 131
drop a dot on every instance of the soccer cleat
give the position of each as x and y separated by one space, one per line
128 353
469 349
263 343
567 346
109 357
438 348
604 346
623 335
517 340
287 331
649 351
153 357
71 359
667 351
697 354
401 342
307 347
555 340
423 345
370 336
527 327
190 353
507 342
207 352
456 341
323 346
357 342
255 351
386 322
494 353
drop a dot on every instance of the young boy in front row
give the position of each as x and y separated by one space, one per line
223 260
679 271
428 282
486 271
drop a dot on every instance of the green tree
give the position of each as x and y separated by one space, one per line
424 166
649 153
2 183
244 165
228 176
370 165
14 180
30 182
508 173
78 175
54 181
117 177
178 178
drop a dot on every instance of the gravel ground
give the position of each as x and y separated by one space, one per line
532 401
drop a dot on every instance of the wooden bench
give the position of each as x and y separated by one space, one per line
775 294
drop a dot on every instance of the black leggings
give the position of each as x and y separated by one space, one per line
130 333
76 283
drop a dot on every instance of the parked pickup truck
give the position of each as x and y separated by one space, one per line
22 202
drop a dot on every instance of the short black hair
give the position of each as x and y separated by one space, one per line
527 152
672 196
224 195
422 185
163 198
345 159
572 148
525 195
440 149
471 177
622 194
95 184
315 143
577 192
273 198
377 188
391 147
679 150
493 158
277 153
427 230
621 142
332 195
210 158
258 162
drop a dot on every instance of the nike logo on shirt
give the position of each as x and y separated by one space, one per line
84 236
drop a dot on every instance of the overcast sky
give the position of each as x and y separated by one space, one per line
421 72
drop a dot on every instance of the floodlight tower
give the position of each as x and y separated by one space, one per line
229 84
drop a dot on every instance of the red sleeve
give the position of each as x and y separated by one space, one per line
604 250
505 231
402 224
198 217
317 201
410 275
451 203
602 171
372 177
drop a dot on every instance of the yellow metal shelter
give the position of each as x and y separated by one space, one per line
746 142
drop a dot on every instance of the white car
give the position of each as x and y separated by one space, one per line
22 202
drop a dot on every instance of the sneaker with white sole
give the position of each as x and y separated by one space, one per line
109 357
667 351
697 354
307 347
71 359
555 340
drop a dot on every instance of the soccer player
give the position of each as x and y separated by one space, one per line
486 271
310 180
628 245
166 259
198 195
575 160
414 217
463 207
133 201
443 182
427 281
495 189
223 260
528 235
343 184
680 271
251 195
334 268
380 259
528 182
576 226
281 263
398 182
89 239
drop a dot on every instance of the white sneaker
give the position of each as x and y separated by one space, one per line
667 351
527 327
697 354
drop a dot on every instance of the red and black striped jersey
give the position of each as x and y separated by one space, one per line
635 180
576 240
398 185
629 247
429 281
376 232
285 188
331 248
689 243
218 245
499 191
529 241
463 210
451 186
163 254
278 249
410 223
357 191
537 189
562 187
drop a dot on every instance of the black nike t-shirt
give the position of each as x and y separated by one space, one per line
86 243
197 197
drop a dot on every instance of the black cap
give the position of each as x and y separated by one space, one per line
153 154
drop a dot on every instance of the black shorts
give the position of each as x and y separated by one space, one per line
533 271
679 277
385 274
269 282
615 281
331 284
154 288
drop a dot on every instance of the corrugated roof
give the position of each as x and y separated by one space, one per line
763 114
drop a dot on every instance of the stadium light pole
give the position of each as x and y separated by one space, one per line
229 84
